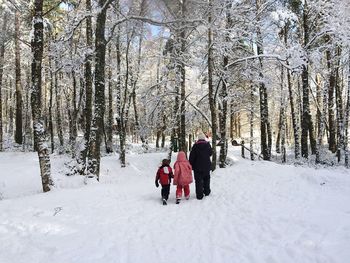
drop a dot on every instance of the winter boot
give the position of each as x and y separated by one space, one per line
178 201
164 202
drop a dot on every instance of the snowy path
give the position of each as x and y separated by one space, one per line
257 212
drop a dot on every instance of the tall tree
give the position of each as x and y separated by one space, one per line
182 71
307 128
2 55
211 95
51 129
331 83
265 126
19 100
124 100
346 122
339 106
109 123
251 121
99 102
223 91
37 45
88 89
58 108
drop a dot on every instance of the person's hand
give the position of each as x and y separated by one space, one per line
157 184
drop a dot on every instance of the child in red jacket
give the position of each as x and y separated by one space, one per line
183 176
164 175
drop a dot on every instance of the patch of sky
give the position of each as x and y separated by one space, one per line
66 6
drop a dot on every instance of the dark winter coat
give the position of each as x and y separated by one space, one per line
200 156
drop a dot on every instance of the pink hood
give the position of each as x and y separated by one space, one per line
183 170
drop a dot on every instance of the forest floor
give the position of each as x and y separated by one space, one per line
257 212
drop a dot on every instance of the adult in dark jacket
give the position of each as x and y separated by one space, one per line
201 165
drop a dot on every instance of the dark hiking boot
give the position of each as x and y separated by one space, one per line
164 202
178 201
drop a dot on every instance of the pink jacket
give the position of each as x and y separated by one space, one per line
183 170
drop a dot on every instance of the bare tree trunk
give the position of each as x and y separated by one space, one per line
265 127
306 125
283 140
58 111
182 133
51 103
346 122
19 100
176 115
339 107
159 125
158 136
332 144
251 122
284 38
119 93
212 102
37 45
160 130
264 122
238 124
190 139
88 90
134 85
10 111
305 101
319 102
320 119
232 120
163 140
27 131
125 109
223 95
2 55
109 143
278 139
163 131
283 118
280 142
72 110
175 120
99 103
294 118
172 143
306 118
126 102
136 114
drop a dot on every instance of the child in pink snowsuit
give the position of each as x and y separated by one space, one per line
182 176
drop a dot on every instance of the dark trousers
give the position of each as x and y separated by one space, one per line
165 191
202 181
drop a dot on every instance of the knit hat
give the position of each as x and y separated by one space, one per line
201 136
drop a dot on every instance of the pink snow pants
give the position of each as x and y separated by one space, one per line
179 191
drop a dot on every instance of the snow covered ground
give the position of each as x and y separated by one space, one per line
257 212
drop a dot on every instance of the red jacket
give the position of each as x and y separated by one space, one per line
164 175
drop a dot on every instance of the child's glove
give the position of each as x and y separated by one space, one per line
157 184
